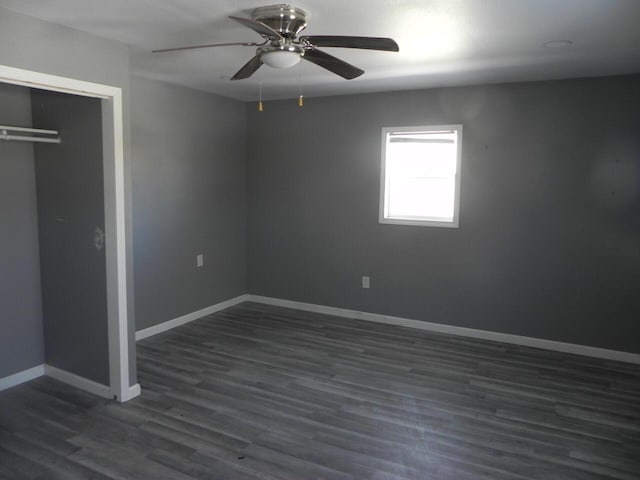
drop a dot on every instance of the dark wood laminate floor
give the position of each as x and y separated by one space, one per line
258 392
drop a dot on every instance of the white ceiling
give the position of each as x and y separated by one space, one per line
442 42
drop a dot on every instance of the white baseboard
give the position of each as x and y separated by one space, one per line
103 390
60 375
585 350
21 377
190 317
78 381
132 392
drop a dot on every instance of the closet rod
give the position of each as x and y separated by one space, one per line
32 130
20 138
5 134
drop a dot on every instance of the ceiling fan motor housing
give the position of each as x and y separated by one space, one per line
288 20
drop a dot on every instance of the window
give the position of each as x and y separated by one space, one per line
420 175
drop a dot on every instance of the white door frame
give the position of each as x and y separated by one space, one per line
114 205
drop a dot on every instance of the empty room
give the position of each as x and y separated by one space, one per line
386 240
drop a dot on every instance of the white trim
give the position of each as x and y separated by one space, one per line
114 201
21 377
572 348
115 251
78 381
64 377
44 81
416 222
133 392
189 317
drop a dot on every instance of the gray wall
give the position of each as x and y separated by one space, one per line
70 192
21 338
189 181
549 237
32 44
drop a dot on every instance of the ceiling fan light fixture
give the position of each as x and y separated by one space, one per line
280 58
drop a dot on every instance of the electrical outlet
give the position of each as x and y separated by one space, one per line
200 260
366 282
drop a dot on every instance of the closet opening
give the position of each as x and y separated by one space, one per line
64 202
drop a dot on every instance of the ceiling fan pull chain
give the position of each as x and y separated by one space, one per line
260 106
300 96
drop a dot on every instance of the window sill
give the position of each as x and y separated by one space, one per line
418 223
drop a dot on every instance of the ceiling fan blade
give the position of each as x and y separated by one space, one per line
249 69
245 44
368 43
333 64
259 27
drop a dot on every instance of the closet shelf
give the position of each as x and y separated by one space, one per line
29 134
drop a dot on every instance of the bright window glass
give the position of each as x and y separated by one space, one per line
421 175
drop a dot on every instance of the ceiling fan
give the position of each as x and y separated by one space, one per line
279 26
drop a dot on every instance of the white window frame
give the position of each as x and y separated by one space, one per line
382 218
